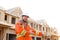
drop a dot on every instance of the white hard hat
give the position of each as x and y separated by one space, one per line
25 14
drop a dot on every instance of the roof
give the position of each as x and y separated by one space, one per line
13 9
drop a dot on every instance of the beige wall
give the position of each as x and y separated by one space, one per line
7 26
2 15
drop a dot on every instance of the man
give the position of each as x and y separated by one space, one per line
23 30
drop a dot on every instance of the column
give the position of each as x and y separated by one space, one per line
10 17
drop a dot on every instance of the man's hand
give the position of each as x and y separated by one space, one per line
31 32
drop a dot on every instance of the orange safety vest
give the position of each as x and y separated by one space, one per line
22 33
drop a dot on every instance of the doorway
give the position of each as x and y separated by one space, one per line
10 37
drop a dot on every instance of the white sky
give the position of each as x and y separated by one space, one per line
37 9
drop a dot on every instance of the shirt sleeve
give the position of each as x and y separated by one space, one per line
18 28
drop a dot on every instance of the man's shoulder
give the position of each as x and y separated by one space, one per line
21 21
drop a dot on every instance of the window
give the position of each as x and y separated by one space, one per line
40 27
10 36
37 27
34 25
49 29
43 28
46 29
7 36
33 38
13 20
31 24
48 39
5 17
38 38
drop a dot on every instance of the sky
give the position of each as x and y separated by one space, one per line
37 9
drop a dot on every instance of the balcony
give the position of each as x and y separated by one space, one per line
5 24
53 34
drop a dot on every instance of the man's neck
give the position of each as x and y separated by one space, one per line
22 21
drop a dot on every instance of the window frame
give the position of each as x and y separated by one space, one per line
13 21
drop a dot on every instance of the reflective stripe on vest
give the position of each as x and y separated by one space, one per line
21 34
18 36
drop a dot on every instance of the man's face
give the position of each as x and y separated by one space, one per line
25 18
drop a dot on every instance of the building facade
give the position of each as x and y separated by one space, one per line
49 33
8 18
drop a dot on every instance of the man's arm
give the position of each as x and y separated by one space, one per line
18 28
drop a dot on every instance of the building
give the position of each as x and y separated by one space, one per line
54 34
49 33
8 18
